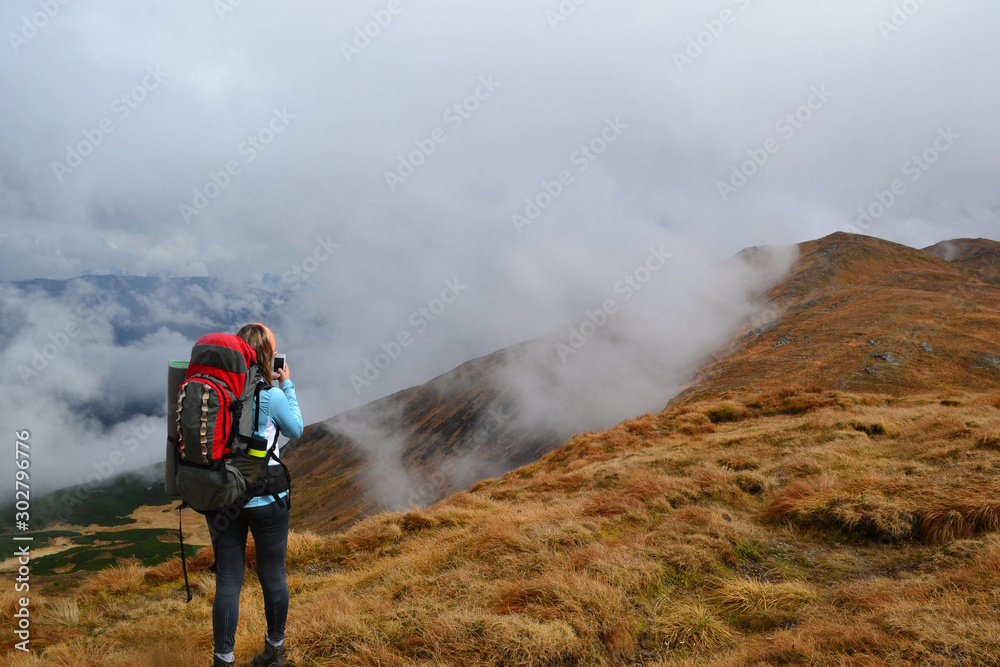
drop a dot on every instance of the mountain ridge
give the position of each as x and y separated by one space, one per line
823 309
864 314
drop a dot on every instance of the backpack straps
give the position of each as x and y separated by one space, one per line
256 409
285 502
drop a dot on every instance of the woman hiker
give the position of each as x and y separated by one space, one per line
263 516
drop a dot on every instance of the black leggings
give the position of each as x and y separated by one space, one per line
269 525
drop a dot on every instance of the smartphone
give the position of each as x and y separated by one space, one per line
278 363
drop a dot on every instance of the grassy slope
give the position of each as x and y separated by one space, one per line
979 255
804 527
824 525
865 315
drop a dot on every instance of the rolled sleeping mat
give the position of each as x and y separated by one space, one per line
176 371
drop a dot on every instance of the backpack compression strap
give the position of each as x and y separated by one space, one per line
251 450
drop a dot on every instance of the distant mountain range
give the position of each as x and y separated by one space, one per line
142 305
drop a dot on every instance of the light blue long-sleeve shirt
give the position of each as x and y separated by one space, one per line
279 408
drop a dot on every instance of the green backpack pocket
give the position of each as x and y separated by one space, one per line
207 490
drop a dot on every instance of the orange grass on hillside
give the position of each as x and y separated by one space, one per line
818 528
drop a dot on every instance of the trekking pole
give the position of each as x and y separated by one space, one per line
180 530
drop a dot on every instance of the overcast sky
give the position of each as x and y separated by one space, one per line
250 141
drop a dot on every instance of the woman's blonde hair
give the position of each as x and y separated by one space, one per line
261 340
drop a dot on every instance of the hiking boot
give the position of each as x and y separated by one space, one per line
273 656
217 662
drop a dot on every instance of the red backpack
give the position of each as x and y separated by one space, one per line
221 375
218 460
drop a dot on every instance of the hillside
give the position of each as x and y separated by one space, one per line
445 434
978 255
791 507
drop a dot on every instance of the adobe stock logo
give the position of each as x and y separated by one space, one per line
455 116
700 43
223 7
363 35
915 168
122 106
760 154
31 26
419 320
582 158
901 15
627 287
248 149
562 12
85 313
302 271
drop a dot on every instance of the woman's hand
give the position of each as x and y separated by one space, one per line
283 374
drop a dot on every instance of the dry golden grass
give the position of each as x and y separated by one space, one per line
755 605
820 528
990 440
693 625
120 580
171 569
960 519
729 411
63 612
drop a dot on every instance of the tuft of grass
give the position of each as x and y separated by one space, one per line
871 429
303 548
690 625
959 519
128 578
520 641
751 482
416 520
573 597
64 612
793 400
497 536
10 601
611 503
374 533
308 547
791 498
759 606
748 551
866 508
694 423
989 441
727 412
